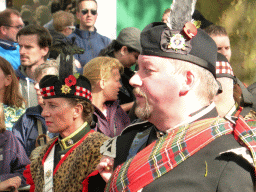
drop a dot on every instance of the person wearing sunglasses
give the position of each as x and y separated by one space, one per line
10 23
86 33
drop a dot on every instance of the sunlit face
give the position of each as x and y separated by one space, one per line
156 87
38 93
87 20
112 86
15 26
223 44
30 51
58 114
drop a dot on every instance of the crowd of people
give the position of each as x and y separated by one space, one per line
75 117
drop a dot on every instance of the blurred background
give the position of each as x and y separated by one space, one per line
237 16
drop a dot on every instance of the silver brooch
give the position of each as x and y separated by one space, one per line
177 41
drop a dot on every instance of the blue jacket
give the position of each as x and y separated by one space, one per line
92 42
13 158
26 130
10 51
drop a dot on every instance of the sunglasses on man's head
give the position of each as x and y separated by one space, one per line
85 11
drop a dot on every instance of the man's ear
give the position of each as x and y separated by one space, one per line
102 83
44 51
78 110
188 82
8 80
3 30
124 50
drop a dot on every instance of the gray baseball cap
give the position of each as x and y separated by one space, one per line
130 37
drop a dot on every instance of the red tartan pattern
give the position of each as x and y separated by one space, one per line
47 91
172 149
223 67
82 92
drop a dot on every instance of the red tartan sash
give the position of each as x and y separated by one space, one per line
167 152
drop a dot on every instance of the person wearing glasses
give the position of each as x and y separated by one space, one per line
63 23
86 34
10 23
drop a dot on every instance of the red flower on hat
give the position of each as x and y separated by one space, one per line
70 80
190 30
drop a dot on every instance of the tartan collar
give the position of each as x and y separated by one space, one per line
162 156
166 153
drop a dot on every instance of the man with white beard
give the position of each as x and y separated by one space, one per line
183 145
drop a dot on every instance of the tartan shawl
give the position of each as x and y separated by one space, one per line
172 149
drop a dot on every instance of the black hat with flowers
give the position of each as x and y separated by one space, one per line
180 38
66 84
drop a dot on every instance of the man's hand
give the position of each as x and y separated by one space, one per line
9 183
105 167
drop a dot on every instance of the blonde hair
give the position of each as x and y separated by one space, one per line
101 68
62 19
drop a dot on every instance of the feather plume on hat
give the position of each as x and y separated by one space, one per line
181 13
66 84
66 66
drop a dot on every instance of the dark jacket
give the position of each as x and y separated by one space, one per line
26 128
206 170
13 158
114 123
92 42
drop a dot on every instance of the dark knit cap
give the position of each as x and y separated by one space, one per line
67 84
187 44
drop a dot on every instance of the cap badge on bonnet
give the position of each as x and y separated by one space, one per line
178 41
69 81
67 84
180 38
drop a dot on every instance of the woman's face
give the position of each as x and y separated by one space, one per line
59 116
112 86
38 93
